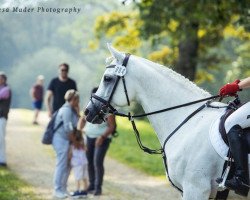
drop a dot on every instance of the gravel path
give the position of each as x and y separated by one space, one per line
35 163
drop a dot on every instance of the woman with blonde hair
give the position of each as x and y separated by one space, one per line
66 119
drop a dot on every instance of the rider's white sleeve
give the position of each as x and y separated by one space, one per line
240 117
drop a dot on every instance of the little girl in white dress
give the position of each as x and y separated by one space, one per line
79 164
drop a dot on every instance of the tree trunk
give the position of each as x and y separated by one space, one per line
188 49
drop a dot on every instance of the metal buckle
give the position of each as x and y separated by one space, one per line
223 179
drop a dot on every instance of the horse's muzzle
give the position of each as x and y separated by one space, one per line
93 118
94 113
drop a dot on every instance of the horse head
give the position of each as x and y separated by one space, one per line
113 89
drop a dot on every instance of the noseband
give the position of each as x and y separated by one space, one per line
106 103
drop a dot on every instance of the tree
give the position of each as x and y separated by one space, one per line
199 25
187 27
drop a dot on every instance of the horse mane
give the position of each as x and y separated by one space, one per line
166 71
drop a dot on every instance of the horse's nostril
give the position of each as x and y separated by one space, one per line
86 112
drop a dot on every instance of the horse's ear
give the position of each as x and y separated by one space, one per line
119 56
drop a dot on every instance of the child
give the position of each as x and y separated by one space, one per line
79 163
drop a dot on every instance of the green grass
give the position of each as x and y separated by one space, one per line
125 148
13 188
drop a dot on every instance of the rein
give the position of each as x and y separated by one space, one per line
115 112
161 150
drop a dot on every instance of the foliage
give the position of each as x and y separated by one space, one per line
179 18
241 64
180 32
122 26
11 187
163 56
158 16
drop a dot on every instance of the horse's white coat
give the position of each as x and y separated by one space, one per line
219 145
192 162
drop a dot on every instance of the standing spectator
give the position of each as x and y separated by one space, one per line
57 89
79 164
68 116
98 140
5 99
36 93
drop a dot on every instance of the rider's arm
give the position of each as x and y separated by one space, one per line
245 83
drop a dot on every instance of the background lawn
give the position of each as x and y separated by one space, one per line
13 188
125 148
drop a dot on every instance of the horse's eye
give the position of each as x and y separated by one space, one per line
107 78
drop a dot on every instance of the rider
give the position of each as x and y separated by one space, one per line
234 125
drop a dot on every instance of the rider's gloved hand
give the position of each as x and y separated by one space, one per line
230 89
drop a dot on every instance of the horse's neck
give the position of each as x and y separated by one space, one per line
160 88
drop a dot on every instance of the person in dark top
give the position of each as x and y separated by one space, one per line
5 100
57 89
98 140
36 93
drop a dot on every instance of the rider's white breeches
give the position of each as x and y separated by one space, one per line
240 117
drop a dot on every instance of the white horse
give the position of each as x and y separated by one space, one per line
193 164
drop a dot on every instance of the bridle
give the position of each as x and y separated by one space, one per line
108 108
107 103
